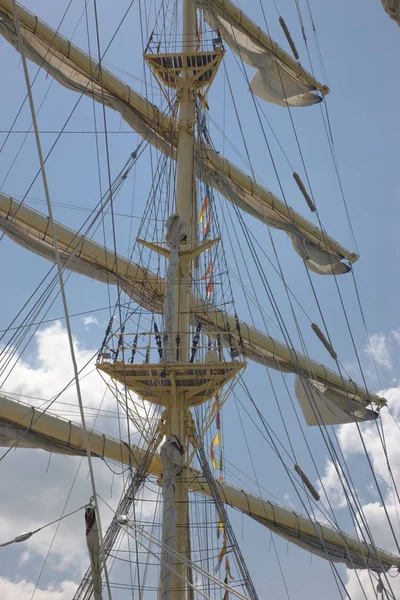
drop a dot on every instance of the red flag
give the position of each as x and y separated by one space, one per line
205 217
224 550
208 272
226 595
228 568
210 288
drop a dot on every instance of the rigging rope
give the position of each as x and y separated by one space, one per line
224 518
25 536
63 295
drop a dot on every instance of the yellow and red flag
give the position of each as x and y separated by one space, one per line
208 272
226 595
210 288
220 528
224 550
216 442
228 568
205 217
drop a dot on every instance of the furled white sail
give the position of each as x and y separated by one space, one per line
25 426
392 7
325 405
30 229
77 71
311 535
321 254
279 78
93 544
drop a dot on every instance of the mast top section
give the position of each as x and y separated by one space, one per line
173 70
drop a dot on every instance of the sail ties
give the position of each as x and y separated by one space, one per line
323 339
172 461
289 38
303 190
176 234
307 482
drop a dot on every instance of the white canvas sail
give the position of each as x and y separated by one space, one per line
30 229
74 69
325 405
312 536
279 79
392 7
93 544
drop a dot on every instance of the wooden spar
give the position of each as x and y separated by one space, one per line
167 128
70 434
99 258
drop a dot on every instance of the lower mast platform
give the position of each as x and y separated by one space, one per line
155 382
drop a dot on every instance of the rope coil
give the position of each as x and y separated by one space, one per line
303 190
289 38
307 482
323 339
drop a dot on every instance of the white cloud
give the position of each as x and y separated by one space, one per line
23 590
373 511
331 487
34 489
50 369
379 349
351 442
360 585
395 333
89 320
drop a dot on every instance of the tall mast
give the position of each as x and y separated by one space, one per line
185 181
177 410
178 381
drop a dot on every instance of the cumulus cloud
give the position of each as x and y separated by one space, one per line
361 585
38 486
395 333
90 320
379 349
23 590
49 369
381 455
333 486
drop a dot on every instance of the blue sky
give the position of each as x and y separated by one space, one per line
360 46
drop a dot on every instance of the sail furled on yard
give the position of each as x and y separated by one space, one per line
321 253
30 229
329 405
315 537
25 426
93 544
279 78
75 70
392 7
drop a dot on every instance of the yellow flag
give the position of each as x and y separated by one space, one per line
216 442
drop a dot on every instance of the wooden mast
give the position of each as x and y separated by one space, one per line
177 408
